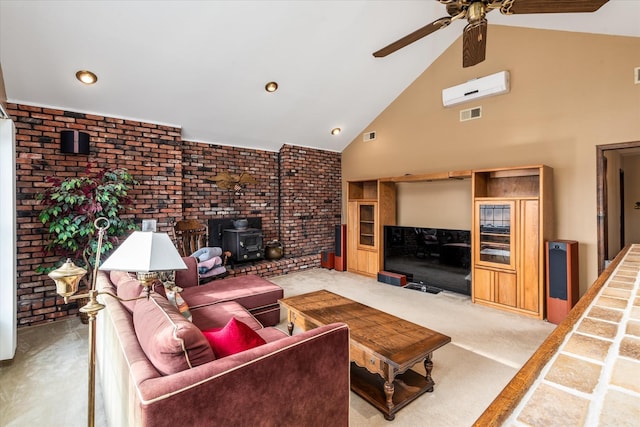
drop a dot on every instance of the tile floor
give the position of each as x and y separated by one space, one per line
594 378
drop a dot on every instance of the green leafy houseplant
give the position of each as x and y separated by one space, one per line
72 205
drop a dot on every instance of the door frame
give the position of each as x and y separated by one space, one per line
601 194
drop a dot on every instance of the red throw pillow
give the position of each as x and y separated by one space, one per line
235 337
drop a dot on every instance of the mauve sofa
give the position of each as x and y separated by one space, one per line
149 380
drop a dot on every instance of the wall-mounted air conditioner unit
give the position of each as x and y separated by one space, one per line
494 84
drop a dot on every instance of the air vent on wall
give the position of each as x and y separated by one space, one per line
636 75
470 114
368 136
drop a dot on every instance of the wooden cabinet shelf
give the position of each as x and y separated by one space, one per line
428 177
511 220
488 238
371 206
363 191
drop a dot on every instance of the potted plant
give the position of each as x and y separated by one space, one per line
71 206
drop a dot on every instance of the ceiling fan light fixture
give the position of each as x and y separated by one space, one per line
476 12
271 87
86 77
336 131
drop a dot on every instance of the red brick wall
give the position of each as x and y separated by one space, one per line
299 185
152 153
310 199
203 199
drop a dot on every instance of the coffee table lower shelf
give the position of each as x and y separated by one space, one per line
408 387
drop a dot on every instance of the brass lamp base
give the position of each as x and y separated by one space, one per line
146 280
93 306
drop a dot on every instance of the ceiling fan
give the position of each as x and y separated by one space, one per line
474 37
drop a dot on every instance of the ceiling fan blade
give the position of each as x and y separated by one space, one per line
550 6
474 43
415 36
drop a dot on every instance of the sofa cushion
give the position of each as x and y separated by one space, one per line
251 291
258 295
127 288
170 341
116 276
217 315
233 338
188 278
271 334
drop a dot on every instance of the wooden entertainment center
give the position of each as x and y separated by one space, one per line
371 205
511 220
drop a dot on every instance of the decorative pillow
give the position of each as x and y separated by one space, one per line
188 278
117 276
128 288
171 343
235 337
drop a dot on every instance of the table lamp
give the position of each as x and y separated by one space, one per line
144 252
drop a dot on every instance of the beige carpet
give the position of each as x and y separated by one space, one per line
487 346
46 382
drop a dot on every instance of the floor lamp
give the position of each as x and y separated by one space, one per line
144 252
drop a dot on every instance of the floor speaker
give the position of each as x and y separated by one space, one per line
392 278
327 259
340 258
563 286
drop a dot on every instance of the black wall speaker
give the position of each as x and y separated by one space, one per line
340 258
562 278
74 142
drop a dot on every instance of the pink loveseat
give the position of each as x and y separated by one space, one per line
157 369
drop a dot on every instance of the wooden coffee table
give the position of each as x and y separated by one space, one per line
383 347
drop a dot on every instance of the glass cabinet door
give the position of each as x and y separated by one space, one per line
366 227
495 240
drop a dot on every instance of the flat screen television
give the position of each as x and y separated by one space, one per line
434 257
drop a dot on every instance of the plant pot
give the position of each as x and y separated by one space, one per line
273 250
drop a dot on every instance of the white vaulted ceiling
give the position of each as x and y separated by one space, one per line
202 65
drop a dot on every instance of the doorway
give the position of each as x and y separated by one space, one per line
612 209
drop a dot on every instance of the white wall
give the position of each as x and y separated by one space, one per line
570 92
631 167
437 204
614 164
8 302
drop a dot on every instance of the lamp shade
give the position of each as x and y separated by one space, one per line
144 252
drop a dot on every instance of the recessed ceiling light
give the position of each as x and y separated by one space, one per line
271 87
336 131
86 77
